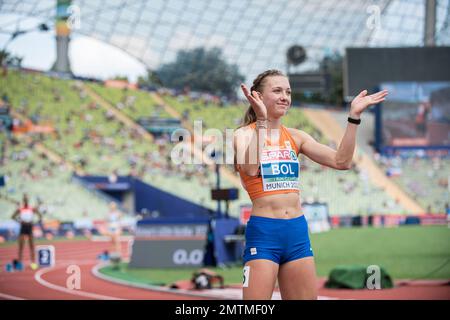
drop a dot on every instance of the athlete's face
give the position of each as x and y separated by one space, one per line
276 95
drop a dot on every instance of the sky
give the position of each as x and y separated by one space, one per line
89 57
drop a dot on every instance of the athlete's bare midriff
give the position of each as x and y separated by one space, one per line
278 206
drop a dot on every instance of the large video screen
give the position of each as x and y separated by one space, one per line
416 114
366 68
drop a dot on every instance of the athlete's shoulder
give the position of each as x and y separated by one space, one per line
293 130
299 137
297 133
244 130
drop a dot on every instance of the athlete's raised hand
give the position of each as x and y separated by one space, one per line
362 101
256 103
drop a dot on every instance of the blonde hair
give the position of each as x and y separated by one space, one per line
250 115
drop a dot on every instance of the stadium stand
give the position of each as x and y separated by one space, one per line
91 137
52 186
338 186
425 179
86 135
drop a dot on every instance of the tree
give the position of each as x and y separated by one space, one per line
9 60
150 81
4 57
203 70
121 78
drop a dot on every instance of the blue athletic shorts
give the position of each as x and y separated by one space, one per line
278 240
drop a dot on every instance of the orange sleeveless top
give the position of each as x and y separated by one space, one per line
278 171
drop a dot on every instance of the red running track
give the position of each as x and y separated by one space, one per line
50 283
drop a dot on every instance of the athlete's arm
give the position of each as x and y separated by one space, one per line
39 214
323 154
15 215
245 143
342 158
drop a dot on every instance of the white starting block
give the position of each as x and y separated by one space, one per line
45 256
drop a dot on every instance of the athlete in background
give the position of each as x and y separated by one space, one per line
25 215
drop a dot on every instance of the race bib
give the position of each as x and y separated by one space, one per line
279 169
26 215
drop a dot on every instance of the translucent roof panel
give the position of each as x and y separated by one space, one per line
254 34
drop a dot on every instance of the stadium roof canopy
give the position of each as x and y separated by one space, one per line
254 34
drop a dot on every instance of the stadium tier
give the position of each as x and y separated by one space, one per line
47 185
426 180
89 136
335 186
227 116
133 103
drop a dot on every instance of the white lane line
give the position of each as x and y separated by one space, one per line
9 297
80 253
108 239
98 274
229 294
38 277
